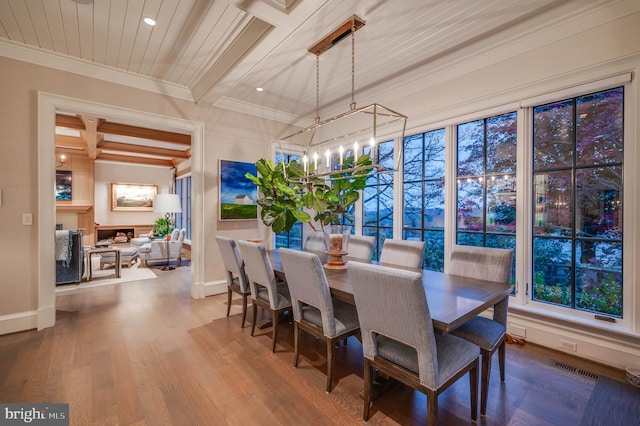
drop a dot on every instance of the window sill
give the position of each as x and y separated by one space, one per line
585 326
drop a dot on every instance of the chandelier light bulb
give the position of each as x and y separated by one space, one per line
341 151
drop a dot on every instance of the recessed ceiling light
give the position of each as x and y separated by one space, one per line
259 89
149 21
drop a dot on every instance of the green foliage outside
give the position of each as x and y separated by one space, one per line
606 298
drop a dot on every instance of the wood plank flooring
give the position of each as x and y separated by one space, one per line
145 353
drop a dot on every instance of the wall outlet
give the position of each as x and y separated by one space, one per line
570 346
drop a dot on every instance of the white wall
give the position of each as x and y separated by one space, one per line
107 173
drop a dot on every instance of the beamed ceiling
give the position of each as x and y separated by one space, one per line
104 140
217 52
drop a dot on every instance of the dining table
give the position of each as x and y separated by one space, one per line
452 299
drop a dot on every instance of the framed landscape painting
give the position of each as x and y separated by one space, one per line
237 193
132 197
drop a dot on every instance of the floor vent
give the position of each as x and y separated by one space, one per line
575 370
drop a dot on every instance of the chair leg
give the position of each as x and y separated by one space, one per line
244 310
484 386
432 408
255 318
501 357
330 349
473 391
368 383
275 330
228 301
296 342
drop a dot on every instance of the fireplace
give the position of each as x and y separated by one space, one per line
116 235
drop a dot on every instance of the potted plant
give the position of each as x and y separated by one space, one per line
163 226
287 191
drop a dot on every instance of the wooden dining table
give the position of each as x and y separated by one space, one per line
452 299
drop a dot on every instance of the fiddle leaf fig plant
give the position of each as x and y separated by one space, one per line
286 191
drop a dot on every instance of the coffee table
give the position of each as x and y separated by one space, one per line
100 250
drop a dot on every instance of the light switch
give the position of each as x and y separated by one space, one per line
27 219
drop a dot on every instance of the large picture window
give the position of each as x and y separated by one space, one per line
486 179
377 202
183 220
293 238
577 187
423 190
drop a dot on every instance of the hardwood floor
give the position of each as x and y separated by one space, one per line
146 353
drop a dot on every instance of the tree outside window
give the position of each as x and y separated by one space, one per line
486 183
577 186
423 190
377 203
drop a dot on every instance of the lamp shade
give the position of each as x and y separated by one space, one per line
167 203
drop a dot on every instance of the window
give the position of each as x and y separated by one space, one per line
183 220
486 178
293 238
378 199
577 187
423 187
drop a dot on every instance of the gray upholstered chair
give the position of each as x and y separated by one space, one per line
487 264
360 246
401 343
403 253
236 277
267 291
314 310
156 250
315 241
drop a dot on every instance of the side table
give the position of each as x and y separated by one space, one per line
99 250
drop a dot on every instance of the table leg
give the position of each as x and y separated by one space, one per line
90 269
118 265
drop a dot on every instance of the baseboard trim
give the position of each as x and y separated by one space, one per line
215 287
609 348
22 321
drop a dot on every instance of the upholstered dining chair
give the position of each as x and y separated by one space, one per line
267 291
403 253
401 343
487 264
314 310
236 277
360 246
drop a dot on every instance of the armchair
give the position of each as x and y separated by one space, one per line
156 250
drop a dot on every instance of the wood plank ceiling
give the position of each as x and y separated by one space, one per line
217 52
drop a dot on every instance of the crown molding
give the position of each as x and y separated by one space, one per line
60 62
262 112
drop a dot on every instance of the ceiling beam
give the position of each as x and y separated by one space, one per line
135 160
138 149
73 142
144 133
69 121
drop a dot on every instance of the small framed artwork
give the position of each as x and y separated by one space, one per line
63 185
132 197
238 194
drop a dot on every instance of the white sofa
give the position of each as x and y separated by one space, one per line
156 250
